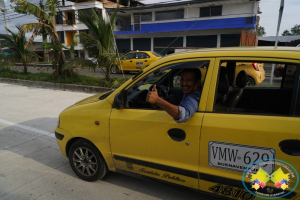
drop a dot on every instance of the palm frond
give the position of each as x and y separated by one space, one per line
30 9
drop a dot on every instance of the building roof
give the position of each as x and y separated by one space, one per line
110 4
180 3
280 38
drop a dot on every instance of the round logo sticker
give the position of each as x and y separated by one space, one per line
270 179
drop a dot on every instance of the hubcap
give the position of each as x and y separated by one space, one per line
114 69
85 161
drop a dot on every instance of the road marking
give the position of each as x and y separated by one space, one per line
27 128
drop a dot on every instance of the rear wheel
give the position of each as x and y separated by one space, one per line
250 81
114 69
86 161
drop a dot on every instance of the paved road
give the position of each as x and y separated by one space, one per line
32 166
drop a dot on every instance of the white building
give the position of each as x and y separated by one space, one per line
198 24
194 24
67 23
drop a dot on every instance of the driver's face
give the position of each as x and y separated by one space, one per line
188 82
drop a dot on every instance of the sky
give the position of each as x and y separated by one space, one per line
268 18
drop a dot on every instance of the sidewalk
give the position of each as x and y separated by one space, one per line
56 86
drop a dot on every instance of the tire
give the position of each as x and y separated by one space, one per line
114 69
86 161
250 81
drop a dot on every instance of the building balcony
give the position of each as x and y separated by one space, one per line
69 22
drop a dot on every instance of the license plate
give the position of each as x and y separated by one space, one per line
238 157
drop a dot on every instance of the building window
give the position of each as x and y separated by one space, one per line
59 18
249 20
169 15
146 17
61 36
211 11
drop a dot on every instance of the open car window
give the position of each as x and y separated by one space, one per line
164 79
250 87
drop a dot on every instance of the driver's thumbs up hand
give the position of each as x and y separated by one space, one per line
152 97
154 89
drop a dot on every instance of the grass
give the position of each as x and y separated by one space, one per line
77 79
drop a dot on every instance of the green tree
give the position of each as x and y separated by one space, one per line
261 31
17 44
286 32
99 42
44 26
294 31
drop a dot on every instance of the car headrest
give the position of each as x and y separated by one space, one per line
241 79
223 85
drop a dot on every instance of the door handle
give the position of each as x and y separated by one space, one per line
177 134
290 147
146 60
131 61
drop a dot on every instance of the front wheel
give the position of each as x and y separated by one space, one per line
86 161
114 69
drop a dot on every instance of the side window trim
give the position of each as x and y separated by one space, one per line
296 91
296 87
206 85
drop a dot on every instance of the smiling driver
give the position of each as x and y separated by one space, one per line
181 106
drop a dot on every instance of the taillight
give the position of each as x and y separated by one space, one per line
255 66
281 65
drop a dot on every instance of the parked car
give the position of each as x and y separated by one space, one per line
255 72
135 61
278 71
236 128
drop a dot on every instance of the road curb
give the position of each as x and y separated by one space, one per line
55 86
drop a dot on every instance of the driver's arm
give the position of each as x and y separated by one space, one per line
153 98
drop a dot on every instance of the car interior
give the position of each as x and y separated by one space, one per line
233 96
167 81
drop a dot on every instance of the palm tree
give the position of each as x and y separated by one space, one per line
45 25
100 41
16 43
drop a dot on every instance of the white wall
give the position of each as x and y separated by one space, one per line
238 8
192 12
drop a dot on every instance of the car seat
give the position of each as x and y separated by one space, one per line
222 90
234 94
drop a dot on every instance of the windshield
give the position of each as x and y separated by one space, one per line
156 54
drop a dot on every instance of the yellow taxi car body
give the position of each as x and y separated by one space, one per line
135 61
235 127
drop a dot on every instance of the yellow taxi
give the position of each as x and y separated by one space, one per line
135 61
242 143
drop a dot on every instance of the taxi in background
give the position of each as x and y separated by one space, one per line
135 61
235 127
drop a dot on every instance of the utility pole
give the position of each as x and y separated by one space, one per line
276 41
4 10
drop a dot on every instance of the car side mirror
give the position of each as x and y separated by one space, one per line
119 100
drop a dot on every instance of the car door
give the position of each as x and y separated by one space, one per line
262 126
128 62
142 60
148 142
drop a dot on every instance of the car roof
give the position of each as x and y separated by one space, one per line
139 52
274 52
263 52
